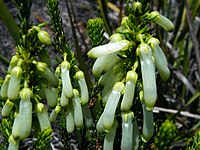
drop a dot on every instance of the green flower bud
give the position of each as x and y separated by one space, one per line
114 77
44 37
109 48
137 7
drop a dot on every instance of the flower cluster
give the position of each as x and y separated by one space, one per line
125 68
20 87
73 100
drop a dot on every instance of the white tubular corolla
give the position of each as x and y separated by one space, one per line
160 59
70 125
108 48
110 137
63 99
131 79
147 129
127 131
88 120
50 97
162 21
66 80
14 83
83 87
25 113
111 106
78 113
43 116
148 75
4 87
104 63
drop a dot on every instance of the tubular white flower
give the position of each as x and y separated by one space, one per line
108 48
163 21
50 97
63 99
160 59
88 120
25 113
148 129
78 113
136 135
131 79
70 124
43 116
115 38
83 87
111 106
127 131
4 87
110 137
148 75
104 63
14 83
66 81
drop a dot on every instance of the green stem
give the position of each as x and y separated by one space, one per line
4 60
9 22
80 58
102 7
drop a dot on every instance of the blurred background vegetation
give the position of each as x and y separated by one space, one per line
178 97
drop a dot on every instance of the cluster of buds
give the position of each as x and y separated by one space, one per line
28 74
130 60
74 101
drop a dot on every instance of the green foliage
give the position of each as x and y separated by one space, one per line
127 84
57 25
166 135
95 30
196 142
6 130
43 140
